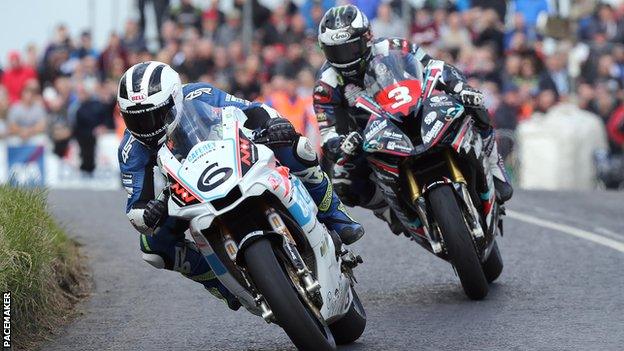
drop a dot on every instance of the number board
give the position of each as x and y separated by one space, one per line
400 97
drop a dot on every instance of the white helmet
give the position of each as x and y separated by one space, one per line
148 95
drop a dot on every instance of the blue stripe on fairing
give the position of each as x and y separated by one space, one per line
486 196
215 263
297 210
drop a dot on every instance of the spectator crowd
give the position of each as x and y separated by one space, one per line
67 89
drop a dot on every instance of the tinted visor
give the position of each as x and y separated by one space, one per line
346 53
148 123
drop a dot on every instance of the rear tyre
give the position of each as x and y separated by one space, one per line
493 266
351 326
457 238
290 312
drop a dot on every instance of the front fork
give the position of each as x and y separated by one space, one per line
419 203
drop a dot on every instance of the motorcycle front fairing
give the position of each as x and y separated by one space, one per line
222 169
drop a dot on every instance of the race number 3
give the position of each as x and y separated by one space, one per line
400 95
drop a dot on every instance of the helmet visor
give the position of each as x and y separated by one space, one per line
347 53
148 124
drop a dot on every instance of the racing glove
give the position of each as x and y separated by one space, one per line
279 131
352 144
154 213
470 97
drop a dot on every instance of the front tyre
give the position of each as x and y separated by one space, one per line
458 240
493 266
351 326
270 279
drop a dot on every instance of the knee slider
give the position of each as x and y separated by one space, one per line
304 152
154 260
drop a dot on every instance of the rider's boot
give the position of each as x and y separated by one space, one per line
332 211
504 190
167 249
302 161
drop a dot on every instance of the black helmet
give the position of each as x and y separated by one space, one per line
345 37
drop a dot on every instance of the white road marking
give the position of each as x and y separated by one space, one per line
579 233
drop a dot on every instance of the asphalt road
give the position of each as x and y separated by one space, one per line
556 292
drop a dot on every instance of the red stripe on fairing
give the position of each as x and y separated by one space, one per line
172 174
460 138
433 73
396 153
385 166
487 206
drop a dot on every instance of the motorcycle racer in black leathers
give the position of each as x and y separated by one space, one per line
347 42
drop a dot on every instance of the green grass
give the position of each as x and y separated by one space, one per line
39 264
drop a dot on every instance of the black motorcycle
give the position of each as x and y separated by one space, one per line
427 158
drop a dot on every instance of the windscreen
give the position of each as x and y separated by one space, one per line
197 122
395 81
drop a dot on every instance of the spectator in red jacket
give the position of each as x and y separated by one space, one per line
16 76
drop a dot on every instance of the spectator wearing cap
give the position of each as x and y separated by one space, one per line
386 24
16 75
27 119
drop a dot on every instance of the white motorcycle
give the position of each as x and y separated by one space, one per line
257 228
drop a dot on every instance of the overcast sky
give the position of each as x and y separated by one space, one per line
33 21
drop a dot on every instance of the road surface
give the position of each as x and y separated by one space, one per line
562 287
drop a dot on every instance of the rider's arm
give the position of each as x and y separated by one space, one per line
332 117
136 163
453 81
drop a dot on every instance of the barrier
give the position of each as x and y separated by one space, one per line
62 173
556 149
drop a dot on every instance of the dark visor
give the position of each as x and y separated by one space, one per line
345 53
148 123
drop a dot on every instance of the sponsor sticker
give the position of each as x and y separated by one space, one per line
375 128
433 132
6 320
430 117
342 36
138 97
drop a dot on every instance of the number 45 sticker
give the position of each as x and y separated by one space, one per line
400 97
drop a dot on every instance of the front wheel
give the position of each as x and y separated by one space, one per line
269 277
493 266
351 326
458 240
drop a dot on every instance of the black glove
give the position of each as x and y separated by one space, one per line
352 144
155 211
331 148
279 131
471 97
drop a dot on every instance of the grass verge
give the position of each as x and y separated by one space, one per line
39 264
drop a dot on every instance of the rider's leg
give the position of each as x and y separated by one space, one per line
354 185
503 187
303 163
167 249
